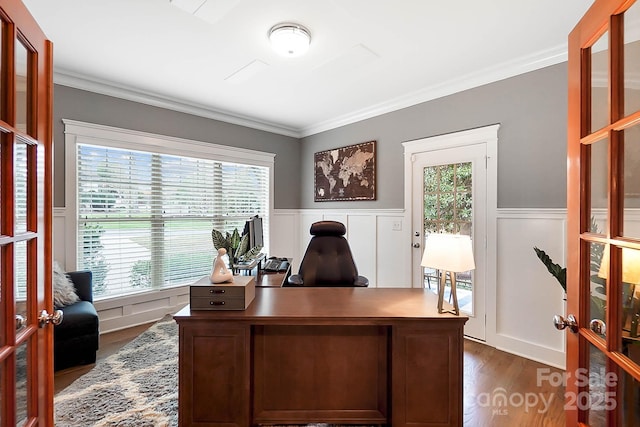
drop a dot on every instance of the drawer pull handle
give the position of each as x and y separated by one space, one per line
216 302
216 291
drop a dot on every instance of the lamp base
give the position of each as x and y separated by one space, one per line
454 294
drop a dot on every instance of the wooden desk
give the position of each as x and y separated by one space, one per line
272 279
335 355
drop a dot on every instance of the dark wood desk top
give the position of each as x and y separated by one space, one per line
311 305
271 279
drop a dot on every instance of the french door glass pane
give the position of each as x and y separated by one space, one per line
3 336
2 32
21 384
599 179
630 295
596 397
598 274
20 266
20 182
600 83
631 59
631 185
21 98
631 391
448 208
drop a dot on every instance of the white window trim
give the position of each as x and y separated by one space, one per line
77 132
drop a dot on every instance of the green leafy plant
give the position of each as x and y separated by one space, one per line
560 273
237 246
557 271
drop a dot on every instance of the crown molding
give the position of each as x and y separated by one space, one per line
104 87
488 75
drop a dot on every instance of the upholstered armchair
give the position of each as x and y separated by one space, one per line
76 339
328 260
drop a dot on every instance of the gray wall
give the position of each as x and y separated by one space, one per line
76 104
531 110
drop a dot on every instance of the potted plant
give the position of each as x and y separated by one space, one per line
237 246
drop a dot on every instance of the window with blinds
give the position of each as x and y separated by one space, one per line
144 219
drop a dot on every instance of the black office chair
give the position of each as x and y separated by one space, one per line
328 260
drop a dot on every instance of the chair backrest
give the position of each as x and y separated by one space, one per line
328 260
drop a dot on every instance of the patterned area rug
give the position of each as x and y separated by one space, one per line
137 386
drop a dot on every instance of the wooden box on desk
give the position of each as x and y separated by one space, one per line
236 295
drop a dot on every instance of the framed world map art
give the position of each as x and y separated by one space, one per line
347 173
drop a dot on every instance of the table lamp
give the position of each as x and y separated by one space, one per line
451 254
631 276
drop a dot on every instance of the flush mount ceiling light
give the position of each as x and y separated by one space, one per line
290 39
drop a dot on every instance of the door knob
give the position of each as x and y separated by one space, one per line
561 323
45 317
416 245
598 326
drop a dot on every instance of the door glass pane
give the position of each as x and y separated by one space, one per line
20 180
599 180
630 290
599 395
2 116
447 199
3 340
448 208
22 98
20 256
630 389
21 384
598 274
2 375
631 59
600 83
631 185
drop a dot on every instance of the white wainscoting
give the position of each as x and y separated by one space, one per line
377 248
520 304
526 295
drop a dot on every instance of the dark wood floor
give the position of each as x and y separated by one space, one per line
500 389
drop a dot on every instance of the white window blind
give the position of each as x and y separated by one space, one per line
145 218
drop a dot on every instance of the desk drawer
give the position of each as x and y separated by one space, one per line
218 303
214 291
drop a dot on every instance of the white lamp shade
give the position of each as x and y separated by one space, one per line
449 252
630 265
290 39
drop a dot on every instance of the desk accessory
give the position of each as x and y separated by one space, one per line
220 273
236 295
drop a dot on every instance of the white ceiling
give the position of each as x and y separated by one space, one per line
367 57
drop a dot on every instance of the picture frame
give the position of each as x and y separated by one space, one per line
345 173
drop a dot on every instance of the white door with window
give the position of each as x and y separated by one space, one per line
450 193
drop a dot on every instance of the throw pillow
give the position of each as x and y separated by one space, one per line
64 293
